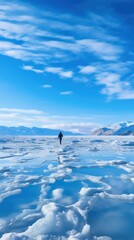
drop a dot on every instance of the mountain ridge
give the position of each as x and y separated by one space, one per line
122 128
27 131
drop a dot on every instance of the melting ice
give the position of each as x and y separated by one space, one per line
83 189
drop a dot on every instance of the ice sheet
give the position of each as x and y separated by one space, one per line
49 191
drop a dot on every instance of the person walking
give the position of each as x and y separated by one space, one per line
60 136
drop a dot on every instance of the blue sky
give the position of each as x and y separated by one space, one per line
66 64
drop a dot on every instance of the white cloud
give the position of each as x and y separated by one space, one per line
15 110
18 54
126 94
66 93
113 85
21 117
67 74
27 27
30 68
15 30
32 117
53 69
30 37
104 50
107 78
111 81
6 45
11 7
57 193
82 127
67 46
118 67
17 51
59 71
87 69
47 86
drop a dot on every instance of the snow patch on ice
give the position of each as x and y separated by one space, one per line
61 173
14 236
8 194
102 238
90 191
126 197
57 193
58 221
31 178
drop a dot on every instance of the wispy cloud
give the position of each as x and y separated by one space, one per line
126 94
54 70
111 81
43 41
44 28
16 110
85 128
47 86
66 93
87 69
114 78
59 71
20 117
114 86
103 50
30 68
32 117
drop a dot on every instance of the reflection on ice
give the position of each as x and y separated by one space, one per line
68 192
113 218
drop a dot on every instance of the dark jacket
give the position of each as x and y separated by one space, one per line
60 135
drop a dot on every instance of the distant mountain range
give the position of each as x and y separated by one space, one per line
26 131
121 128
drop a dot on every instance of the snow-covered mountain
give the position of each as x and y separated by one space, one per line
121 128
25 131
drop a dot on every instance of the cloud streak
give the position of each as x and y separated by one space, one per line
103 50
43 29
59 71
47 86
30 68
25 111
47 43
32 117
66 93
87 69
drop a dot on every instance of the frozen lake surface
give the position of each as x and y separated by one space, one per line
83 189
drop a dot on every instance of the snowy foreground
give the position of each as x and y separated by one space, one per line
81 190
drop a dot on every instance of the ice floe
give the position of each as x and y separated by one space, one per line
125 197
53 188
9 193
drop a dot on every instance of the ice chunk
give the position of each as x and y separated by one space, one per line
128 197
9 193
58 221
15 236
57 193
90 191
